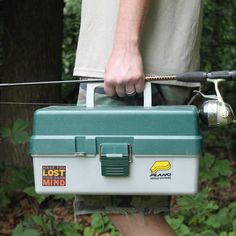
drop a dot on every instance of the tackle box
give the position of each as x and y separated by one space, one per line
120 150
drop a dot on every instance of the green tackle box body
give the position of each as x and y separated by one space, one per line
116 150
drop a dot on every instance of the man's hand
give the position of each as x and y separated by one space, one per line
124 74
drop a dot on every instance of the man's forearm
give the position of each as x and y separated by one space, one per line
124 73
130 21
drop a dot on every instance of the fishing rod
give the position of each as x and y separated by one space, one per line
214 111
197 76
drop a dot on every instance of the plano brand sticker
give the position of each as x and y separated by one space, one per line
160 170
53 175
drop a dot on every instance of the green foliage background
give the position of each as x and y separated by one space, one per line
72 11
218 46
218 52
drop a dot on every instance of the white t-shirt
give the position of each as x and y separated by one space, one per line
170 39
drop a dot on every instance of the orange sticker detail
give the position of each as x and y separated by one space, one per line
53 175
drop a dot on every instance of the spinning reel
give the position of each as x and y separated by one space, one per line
215 112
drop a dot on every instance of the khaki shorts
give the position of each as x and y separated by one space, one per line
161 95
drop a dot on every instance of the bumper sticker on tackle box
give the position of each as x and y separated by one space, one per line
54 175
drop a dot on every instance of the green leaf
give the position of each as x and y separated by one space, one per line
19 137
184 230
71 232
89 231
5 132
214 169
206 164
21 177
223 234
232 205
97 222
38 197
232 233
222 183
30 232
209 160
224 217
18 133
225 169
234 223
38 220
4 199
18 230
213 221
67 228
50 222
20 125
178 225
209 233
175 222
114 233
28 222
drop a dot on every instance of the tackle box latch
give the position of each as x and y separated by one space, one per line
115 159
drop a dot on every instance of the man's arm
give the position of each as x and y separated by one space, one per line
124 71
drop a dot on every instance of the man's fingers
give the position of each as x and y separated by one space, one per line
120 90
124 86
109 89
139 86
130 89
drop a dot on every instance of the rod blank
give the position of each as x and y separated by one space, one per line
196 76
52 82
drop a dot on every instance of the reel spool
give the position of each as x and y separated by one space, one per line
216 112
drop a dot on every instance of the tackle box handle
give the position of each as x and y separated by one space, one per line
90 94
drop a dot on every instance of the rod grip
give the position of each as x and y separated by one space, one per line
197 76
228 75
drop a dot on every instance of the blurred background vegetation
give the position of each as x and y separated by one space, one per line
218 52
38 42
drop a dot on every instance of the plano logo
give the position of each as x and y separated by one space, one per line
157 170
53 175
